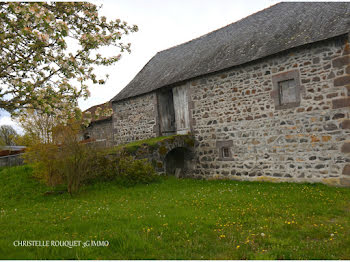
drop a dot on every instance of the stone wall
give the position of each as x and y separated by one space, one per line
307 142
101 131
135 119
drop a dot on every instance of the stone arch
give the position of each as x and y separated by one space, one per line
178 161
165 150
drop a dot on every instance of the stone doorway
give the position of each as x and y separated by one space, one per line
178 162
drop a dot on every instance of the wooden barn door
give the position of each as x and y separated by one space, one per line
182 119
166 112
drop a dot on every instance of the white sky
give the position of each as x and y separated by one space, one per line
162 24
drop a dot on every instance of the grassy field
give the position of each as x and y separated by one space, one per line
176 219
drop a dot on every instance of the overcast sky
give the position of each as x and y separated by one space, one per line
162 24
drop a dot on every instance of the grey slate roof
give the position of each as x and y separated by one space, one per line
272 30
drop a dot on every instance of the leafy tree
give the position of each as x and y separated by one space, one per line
8 135
43 47
37 125
25 140
40 126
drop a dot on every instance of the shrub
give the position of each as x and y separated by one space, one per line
74 164
130 172
43 158
64 160
102 167
123 169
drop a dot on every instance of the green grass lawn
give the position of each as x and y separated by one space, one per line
176 219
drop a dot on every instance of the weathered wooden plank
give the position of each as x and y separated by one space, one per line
181 110
166 112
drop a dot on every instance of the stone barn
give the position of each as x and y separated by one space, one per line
265 98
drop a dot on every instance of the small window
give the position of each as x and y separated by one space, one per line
287 92
225 151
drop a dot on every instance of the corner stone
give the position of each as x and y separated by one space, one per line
341 61
341 102
345 124
342 81
345 148
346 170
345 182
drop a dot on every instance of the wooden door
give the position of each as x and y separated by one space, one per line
182 119
166 112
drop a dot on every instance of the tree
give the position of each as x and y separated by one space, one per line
37 125
43 47
8 135
24 140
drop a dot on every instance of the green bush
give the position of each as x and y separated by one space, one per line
123 169
70 164
67 161
101 167
44 159
131 172
76 164
64 160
